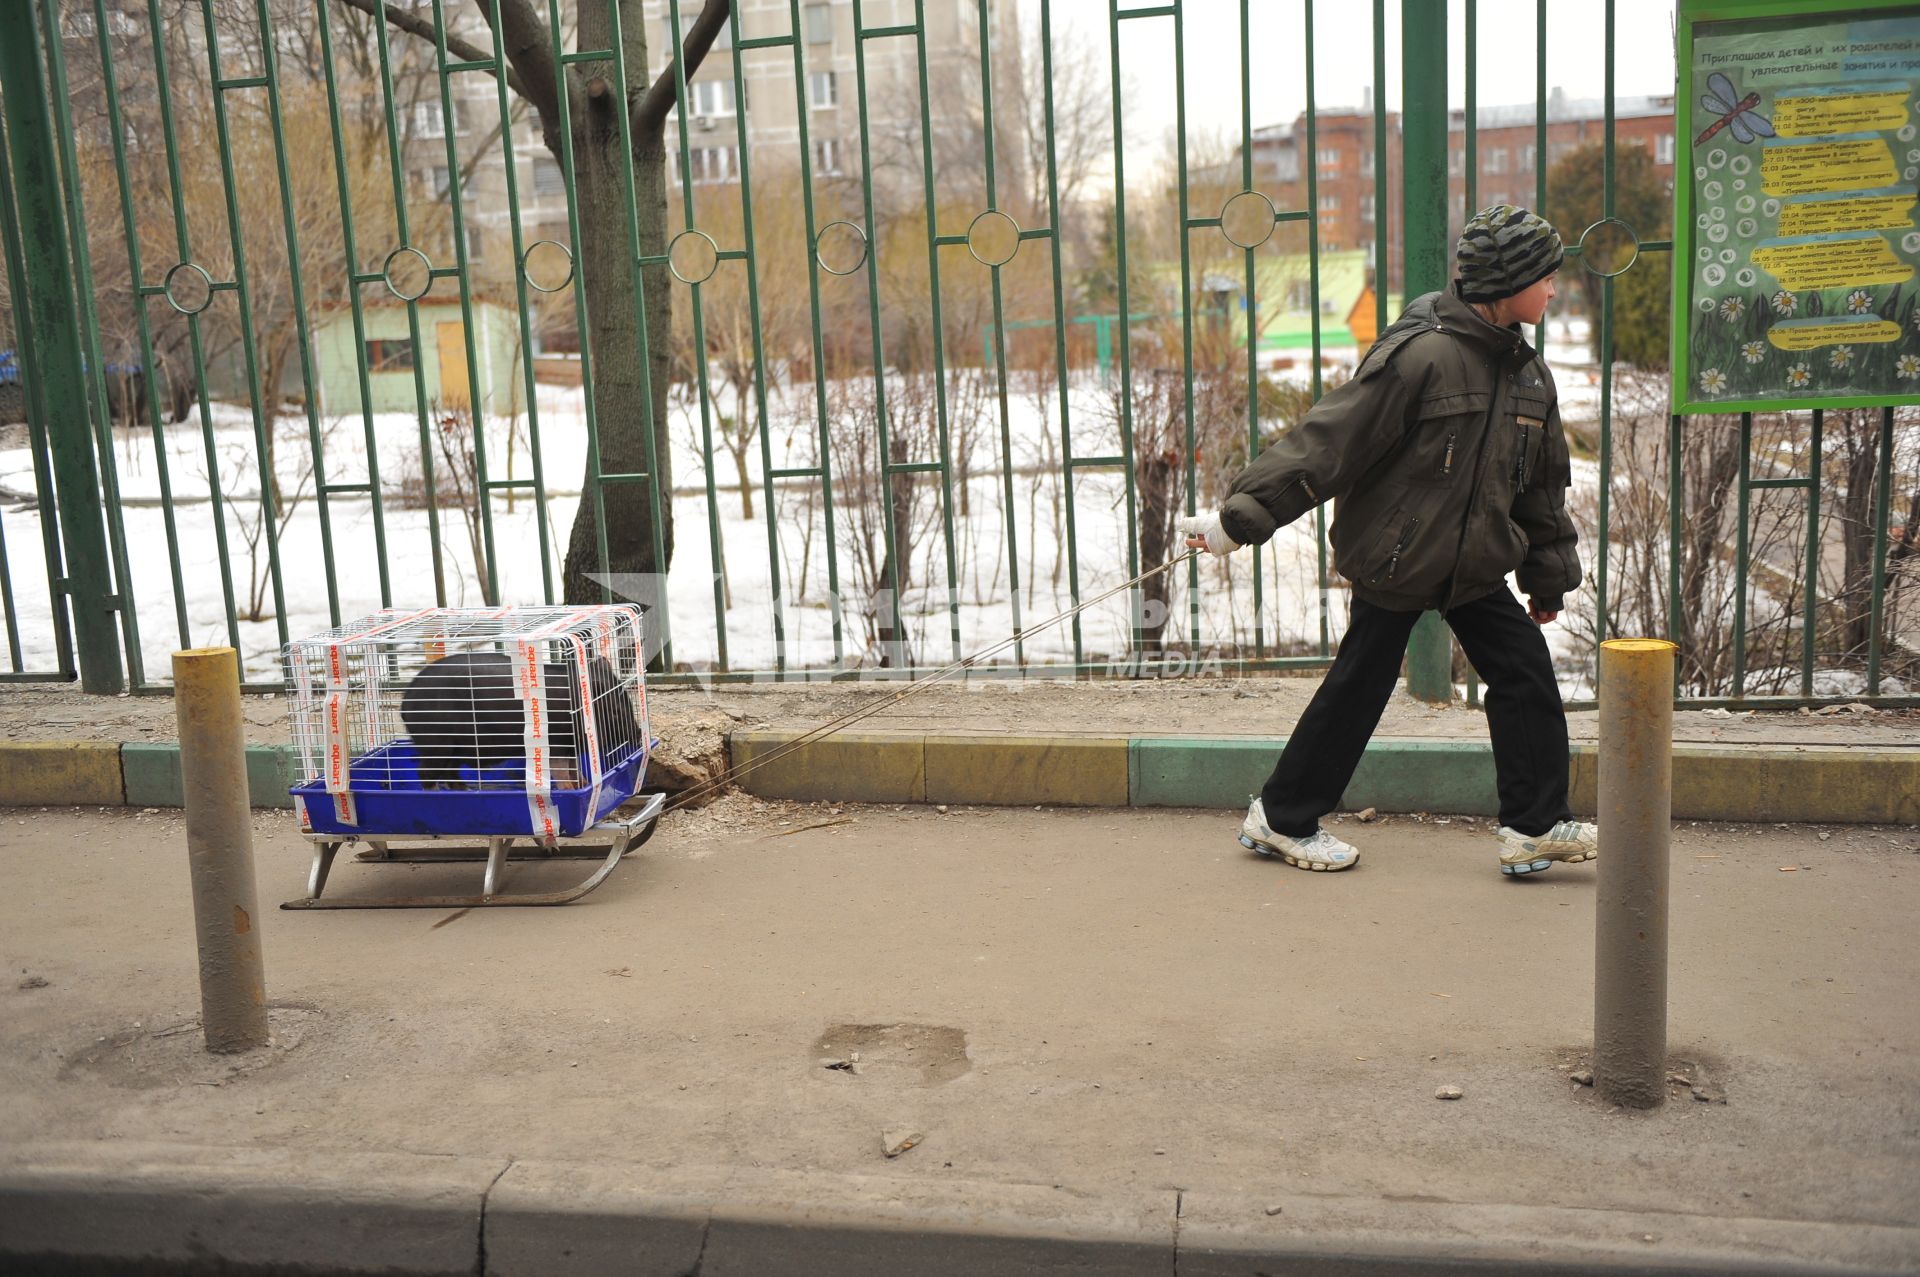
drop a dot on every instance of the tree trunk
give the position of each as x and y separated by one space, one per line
899 489
1860 430
626 396
1156 478
739 451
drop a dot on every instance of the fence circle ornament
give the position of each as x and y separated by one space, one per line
405 267
557 257
201 292
1608 246
993 238
1247 220
693 257
840 248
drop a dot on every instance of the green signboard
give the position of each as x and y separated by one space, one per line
1795 244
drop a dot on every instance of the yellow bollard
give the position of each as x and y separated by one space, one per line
213 778
1630 905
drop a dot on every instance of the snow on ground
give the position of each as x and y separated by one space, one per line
741 618
713 620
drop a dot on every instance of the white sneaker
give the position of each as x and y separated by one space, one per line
1319 850
1571 840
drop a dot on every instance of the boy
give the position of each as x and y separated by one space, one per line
1447 459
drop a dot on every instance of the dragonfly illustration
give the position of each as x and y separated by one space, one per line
1737 115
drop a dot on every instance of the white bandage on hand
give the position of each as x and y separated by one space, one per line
1205 531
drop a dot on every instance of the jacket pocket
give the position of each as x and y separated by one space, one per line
1382 568
1529 417
1440 449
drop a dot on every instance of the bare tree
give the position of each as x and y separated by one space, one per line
577 102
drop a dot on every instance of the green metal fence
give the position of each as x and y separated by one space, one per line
217 197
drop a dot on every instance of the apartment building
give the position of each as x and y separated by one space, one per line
829 57
1344 178
1506 142
1507 163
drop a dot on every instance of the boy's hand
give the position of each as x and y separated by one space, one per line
1203 532
1539 617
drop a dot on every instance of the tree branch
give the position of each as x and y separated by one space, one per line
529 51
650 116
413 24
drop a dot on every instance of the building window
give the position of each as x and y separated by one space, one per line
440 183
428 120
712 164
712 97
826 156
1329 203
547 177
1328 157
823 89
1663 149
1456 162
1366 208
390 354
1497 160
1526 158
819 20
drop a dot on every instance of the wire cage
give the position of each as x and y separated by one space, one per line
492 722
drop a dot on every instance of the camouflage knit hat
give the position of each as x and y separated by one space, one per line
1503 251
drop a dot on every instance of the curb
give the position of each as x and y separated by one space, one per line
1804 784
84 774
178 1209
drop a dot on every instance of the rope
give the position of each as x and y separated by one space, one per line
847 719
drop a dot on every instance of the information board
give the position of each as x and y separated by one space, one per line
1795 245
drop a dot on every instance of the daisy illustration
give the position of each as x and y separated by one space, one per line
1907 366
1754 351
1713 381
1785 303
1798 376
1732 308
1841 356
1858 302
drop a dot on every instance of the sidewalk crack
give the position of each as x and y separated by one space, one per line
1179 1207
480 1245
699 1260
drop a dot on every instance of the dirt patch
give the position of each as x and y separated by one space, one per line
906 1054
144 1056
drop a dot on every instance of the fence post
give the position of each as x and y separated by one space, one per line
49 311
226 910
1630 903
1423 198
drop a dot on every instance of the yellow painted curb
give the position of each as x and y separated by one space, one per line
60 773
1815 786
1008 770
1808 785
846 767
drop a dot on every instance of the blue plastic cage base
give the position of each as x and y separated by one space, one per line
390 800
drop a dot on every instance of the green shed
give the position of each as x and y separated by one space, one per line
442 357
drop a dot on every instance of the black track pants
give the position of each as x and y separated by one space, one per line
1524 715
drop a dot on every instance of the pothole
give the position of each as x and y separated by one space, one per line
157 1053
907 1054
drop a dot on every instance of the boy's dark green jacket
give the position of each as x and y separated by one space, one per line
1446 457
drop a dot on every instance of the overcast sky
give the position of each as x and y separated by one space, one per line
1343 57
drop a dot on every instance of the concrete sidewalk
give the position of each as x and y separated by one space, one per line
1129 1046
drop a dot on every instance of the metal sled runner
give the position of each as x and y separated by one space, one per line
622 835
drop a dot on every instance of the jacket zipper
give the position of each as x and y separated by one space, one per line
1520 465
1446 462
1399 547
